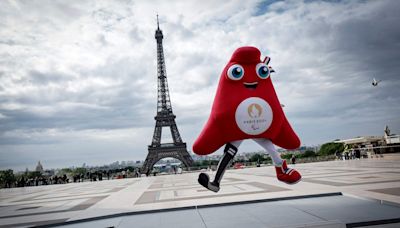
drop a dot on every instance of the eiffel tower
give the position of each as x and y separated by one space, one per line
164 118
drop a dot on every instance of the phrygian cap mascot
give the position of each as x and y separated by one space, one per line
246 107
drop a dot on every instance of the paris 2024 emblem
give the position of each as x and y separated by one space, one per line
253 116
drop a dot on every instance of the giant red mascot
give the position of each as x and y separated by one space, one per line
246 107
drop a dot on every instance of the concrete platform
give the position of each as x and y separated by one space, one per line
323 210
332 194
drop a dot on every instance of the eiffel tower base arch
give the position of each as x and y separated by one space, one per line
166 150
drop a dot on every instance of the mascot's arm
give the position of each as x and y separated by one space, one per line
209 140
287 138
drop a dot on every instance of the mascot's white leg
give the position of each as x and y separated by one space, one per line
229 153
270 148
283 173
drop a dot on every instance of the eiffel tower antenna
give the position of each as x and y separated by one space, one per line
164 118
158 24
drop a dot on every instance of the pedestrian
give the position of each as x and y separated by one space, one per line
293 159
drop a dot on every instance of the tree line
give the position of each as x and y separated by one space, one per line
9 179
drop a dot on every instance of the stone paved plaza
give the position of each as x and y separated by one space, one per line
355 184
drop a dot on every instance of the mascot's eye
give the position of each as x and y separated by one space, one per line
262 70
235 72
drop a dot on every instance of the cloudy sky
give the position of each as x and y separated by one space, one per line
78 78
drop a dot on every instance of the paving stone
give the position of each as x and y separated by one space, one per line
377 180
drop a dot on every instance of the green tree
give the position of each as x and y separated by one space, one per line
330 148
214 162
7 178
205 163
286 156
66 171
267 159
34 174
257 158
80 171
308 153
196 164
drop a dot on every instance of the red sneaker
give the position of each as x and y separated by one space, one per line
287 175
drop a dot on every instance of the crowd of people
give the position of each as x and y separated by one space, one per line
355 153
36 181
43 179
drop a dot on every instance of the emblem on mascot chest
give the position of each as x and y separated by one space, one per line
253 116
